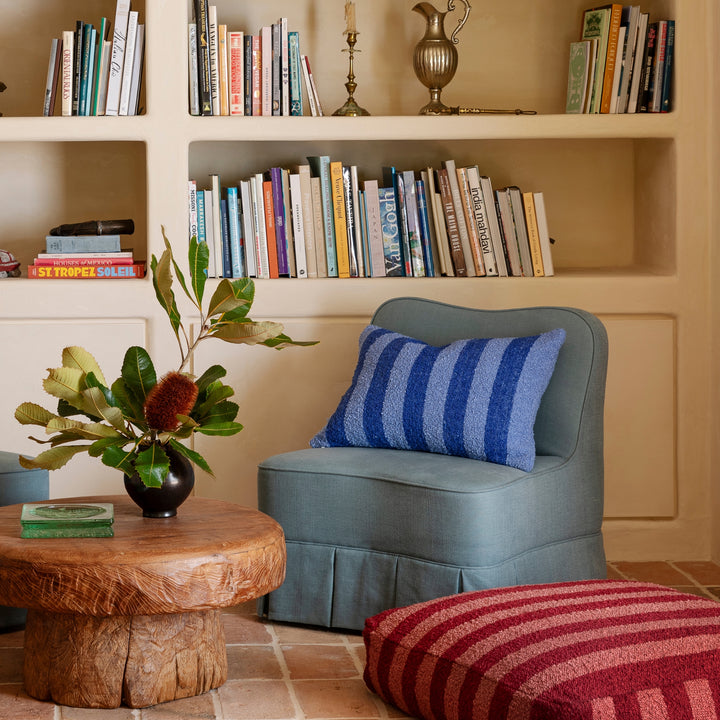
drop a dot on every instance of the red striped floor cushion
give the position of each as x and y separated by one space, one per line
595 650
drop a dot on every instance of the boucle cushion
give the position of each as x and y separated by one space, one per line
590 650
474 398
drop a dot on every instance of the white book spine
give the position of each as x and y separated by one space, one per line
214 66
637 63
50 79
308 86
545 247
617 75
193 94
128 63
266 69
67 72
372 211
117 57
210 231
248 229
102 86
137 71
284 67
482 223
236 63
192 210
489 199
313 87
308 220
217 224
261 251
298 225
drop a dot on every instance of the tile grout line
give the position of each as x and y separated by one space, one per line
285 670
692 580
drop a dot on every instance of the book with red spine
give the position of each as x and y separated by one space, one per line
86 272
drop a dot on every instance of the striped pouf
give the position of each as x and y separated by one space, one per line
594 650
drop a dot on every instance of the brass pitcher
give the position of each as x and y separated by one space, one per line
435 57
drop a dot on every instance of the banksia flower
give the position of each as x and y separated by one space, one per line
174 395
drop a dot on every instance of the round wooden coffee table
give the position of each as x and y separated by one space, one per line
135 618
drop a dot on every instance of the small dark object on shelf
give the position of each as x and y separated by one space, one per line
96 227
3 86
9 266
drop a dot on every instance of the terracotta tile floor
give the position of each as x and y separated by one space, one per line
283 672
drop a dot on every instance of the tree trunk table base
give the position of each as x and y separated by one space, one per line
84 661
134 619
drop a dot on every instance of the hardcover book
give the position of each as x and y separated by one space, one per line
61 520
578 69
82 243
390 232
117 56
86 272
320 166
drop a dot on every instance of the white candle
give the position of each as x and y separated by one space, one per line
350 24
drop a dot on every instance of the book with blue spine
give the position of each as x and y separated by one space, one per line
82 243
390 232
85 68
425 232
393 179
200 202
412 215
296 81
235 234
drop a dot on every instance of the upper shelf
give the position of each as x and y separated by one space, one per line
400 127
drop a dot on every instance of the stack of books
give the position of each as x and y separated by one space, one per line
622 63
233 72
319 220
97 69
72 256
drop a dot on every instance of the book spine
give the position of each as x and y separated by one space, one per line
658 67
72 261
313 87
223 71
236 48
258 206
543 233
611 57
339 219
304 66
533 234
248 229
645 93
413 223
390 232
85 71
481 221
217 225
117 56
289 234
128 62
372 211
296 96
257 75
458 257
321 168
225 235
86 272
136 79
444 263
425 225
77 65
509 232
494 225
104 72
284 67
193 89
638 62
237 263
351 228
51 79
666 99
276 70
200 200
213 55
392 179
213 269
192 210
271 237
298 223
309 236
97 80
468 214
266 62
82 243
360 248
280 220
518 212
462 230
319 227
203 45
248 72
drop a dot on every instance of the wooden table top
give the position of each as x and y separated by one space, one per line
212 554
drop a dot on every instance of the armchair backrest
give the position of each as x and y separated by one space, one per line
571 412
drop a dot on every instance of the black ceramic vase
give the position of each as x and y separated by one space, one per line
163 502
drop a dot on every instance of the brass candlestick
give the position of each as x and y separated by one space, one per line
351 108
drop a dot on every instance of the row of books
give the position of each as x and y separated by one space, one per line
623 63
96 71
85 257
319 220
232 72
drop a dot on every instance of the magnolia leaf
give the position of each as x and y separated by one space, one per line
215 393
152 465
281 341
138 373
249 333
191 455
229 428
120 459
224 411
162 282
52 459
198 258
227 297
77 357
33 414
178 272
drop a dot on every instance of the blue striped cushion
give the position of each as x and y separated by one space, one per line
473 398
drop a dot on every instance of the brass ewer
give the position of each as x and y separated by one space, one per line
435 57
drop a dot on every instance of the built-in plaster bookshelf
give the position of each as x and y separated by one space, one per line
624 194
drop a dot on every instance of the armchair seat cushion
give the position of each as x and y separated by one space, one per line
595 650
